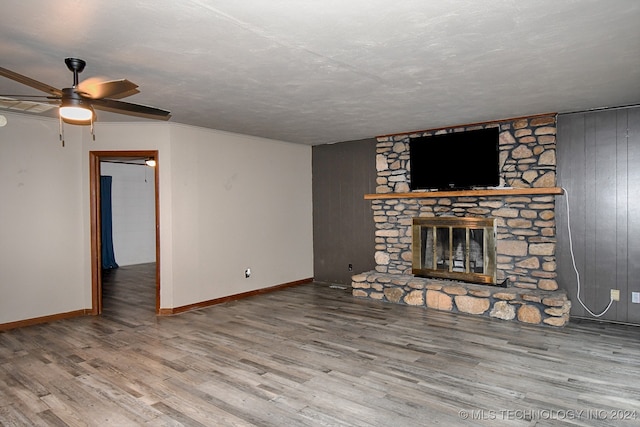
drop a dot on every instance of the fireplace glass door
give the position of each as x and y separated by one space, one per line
455 248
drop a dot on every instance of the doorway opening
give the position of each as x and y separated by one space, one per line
95 159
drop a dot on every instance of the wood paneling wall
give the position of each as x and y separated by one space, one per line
343 227
599 166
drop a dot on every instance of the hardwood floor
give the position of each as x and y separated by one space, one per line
307 356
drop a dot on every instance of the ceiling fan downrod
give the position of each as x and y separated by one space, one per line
76 66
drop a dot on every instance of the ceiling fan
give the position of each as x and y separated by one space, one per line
77 103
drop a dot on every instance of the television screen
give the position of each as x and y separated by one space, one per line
457 160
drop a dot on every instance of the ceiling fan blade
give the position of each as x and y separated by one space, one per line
29 82
13 96
26 105
121 107
96 88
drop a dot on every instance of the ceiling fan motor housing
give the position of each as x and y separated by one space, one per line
72 99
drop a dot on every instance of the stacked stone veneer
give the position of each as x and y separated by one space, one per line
526 229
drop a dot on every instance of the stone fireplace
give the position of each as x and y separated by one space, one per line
522 216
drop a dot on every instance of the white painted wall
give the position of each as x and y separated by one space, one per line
42 257
133 212
227 202
238 202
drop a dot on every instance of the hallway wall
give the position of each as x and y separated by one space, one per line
133 207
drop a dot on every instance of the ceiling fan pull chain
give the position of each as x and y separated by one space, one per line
93 134
61 132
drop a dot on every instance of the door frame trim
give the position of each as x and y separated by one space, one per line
95 158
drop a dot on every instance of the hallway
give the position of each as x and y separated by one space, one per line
129 293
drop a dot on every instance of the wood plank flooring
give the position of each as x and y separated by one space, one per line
311 355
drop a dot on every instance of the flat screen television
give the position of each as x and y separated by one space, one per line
455 161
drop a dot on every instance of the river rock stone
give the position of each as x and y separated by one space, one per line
393 294
503 310
471 305
439 300
528 313
414 298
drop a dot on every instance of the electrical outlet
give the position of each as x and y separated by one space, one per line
615 294
247 273
635 297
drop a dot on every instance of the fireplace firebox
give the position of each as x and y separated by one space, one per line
455 248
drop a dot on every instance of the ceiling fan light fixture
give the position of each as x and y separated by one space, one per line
74 110
76 114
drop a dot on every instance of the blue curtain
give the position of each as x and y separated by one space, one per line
108 257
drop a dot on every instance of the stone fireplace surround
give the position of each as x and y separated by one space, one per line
526 230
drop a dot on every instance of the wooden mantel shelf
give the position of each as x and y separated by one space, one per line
469 193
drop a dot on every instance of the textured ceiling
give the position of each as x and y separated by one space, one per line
322 71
